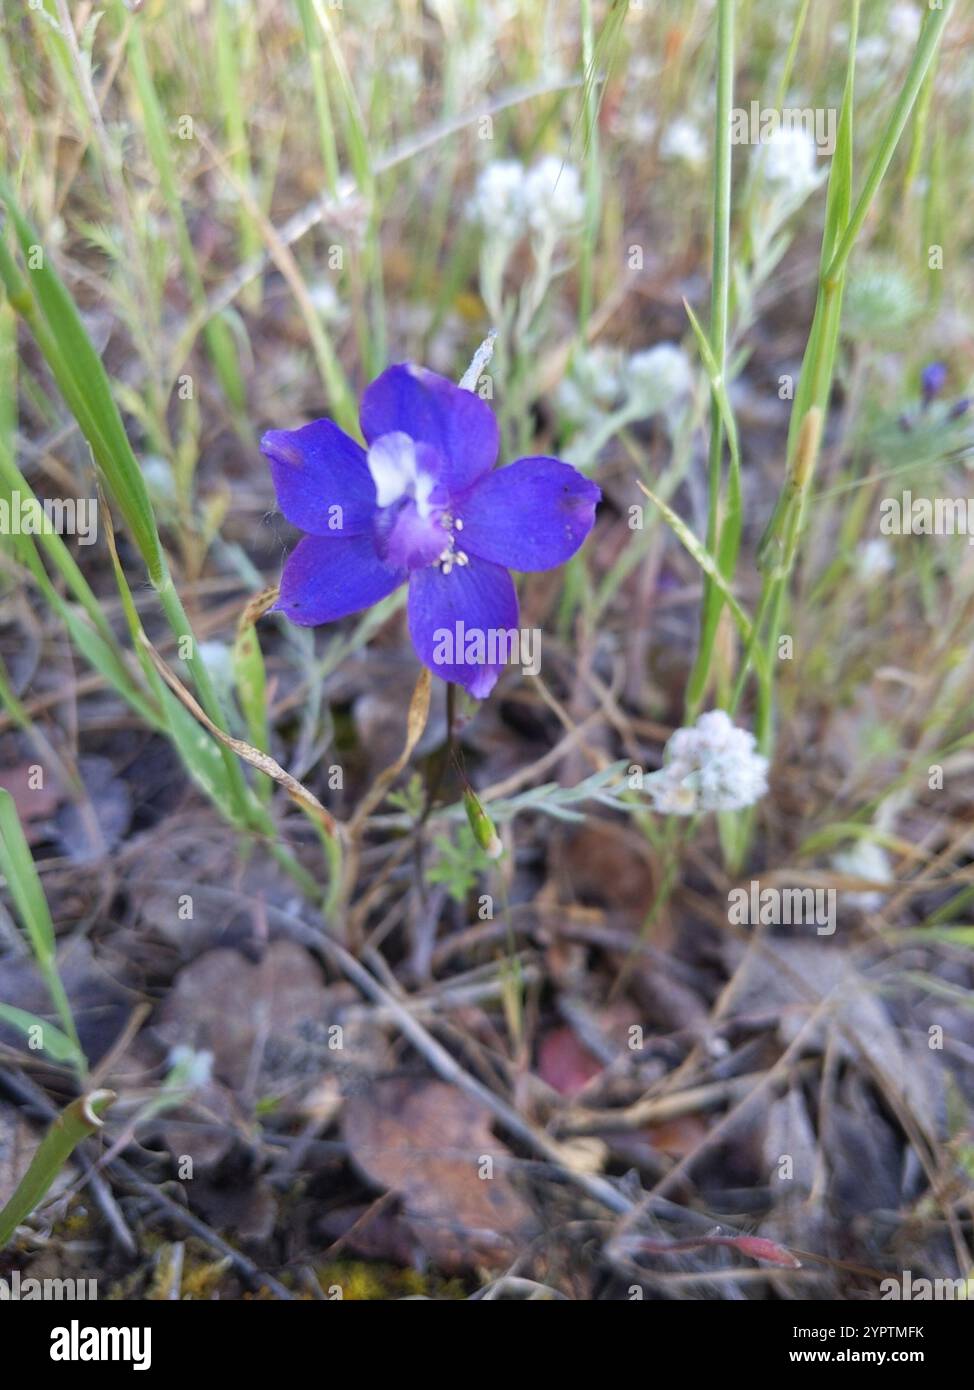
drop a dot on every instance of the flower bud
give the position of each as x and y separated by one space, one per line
482 826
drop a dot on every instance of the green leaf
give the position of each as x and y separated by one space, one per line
61 335
80 1119
55 1044
31 904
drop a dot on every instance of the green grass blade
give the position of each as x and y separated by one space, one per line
930 35
42 1036
719 301
79 1120
31 904
79 372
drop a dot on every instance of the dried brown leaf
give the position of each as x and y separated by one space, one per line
430 1143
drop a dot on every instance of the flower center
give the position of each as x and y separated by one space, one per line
397 472
412 505
451 555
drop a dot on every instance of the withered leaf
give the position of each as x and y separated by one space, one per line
266 1024
428 1142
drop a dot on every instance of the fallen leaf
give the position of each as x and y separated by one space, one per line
564 1063
266 1025
433 1145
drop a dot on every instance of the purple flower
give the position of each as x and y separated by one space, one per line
933 378
422 505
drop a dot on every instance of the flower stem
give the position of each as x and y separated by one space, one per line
719 298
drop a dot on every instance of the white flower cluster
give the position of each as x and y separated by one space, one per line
712 766
786 171
498 201
545 200
682 143
659 376
593 384
875 559
603 379
189 1069
789 161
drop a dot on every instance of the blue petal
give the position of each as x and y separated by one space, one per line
428 407
325 579
531 515
321 478
479 596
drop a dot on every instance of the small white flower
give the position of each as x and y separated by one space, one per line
594 384
865 859
659 376
325 298
788 159
672 798
553 195
875 559
188 1068
682 141
711 766
499 200
546 199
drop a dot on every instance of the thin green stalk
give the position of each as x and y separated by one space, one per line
319 85
779 546
719 297
52 316
930 35
172 606
25 888
788 68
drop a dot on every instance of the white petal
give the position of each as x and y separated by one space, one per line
392 463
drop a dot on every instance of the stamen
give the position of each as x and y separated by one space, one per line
450 556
